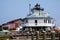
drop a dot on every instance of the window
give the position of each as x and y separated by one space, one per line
5 28
49 21
35 22
45 21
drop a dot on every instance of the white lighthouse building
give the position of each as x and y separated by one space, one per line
38 19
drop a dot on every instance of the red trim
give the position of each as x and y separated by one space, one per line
16 25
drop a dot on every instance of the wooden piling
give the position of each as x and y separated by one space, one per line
52 35
32 36
37 35
44 35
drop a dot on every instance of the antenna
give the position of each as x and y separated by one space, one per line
29 8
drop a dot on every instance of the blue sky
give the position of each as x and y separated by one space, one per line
13 9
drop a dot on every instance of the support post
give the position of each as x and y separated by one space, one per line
53 35
39 32
44 35
32 36
37 35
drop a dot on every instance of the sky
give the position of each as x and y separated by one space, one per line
13 9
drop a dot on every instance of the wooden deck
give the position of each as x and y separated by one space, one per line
28 37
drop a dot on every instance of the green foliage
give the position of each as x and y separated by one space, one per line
3 35
0 28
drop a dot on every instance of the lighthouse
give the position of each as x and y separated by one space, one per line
37 19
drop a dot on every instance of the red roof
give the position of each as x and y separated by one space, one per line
12 21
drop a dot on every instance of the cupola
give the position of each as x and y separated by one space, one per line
37 8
